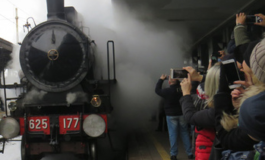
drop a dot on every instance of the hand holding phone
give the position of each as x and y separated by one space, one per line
252 19
195 76
178 74
240 18
232 73
261 21
186 85
246 82
163 77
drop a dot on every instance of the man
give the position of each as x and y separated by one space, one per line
174 117
162 124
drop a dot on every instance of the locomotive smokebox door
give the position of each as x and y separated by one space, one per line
54 56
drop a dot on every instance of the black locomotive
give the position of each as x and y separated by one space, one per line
63 108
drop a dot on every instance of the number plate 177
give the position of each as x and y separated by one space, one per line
69 123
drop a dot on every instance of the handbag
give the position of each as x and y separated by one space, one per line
236 155
216 152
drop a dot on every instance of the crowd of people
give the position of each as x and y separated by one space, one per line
229 123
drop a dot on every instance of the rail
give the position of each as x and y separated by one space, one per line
108 59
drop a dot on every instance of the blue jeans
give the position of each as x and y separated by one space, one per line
174 123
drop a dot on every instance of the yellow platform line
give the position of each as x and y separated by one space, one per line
163 153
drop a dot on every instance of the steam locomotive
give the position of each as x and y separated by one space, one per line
62 108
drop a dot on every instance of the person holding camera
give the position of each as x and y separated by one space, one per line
228 104
251 116
242 22
227 122
174 117
248 103
203 119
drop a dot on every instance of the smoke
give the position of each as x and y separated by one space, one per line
71 97
145 46
14 61
77 96
34 96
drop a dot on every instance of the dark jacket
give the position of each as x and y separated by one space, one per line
204 122
171 96
203 119
236 139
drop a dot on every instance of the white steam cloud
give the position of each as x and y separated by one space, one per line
34 96
72 97
145 46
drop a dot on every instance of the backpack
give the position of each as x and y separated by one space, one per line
237 155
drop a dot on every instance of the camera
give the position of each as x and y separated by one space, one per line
251 19
232 73
178 73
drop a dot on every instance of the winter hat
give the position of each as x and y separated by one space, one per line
257 61
251 116
243 52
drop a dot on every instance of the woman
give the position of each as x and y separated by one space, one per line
204 120
250 107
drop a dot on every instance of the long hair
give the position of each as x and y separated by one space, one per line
230 121
212 84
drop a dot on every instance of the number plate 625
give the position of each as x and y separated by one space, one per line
39 124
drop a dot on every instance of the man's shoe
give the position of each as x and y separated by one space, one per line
173 158
191 157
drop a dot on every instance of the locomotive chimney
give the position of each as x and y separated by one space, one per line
55 9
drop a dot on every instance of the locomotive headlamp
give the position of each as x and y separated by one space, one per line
9 127
94 125
95 101
12 106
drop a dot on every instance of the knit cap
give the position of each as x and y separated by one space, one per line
252 116
257 61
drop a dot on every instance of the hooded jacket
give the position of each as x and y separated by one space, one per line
171 95
230 136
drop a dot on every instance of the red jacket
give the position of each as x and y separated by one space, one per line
204 142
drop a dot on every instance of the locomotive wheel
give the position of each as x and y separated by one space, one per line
92 150
24 152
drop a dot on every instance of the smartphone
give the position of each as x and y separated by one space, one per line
232 73
178 74
251 19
